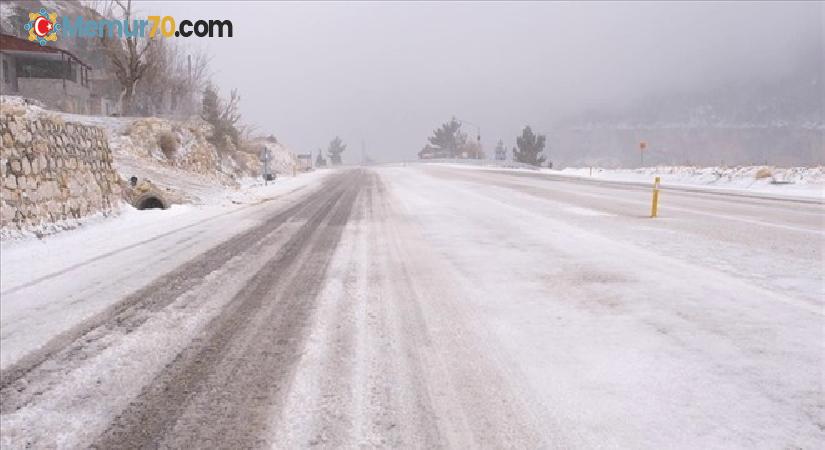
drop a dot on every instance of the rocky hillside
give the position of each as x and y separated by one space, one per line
53 172
171 158
176 155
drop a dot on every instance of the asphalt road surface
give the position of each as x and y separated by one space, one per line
432 306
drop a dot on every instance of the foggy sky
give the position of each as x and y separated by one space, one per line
389 73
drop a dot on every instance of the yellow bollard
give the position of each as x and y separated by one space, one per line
654 207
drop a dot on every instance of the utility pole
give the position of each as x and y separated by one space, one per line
642 147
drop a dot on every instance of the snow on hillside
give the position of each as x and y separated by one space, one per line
194 173
197 173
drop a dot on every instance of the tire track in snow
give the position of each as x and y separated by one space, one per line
218 392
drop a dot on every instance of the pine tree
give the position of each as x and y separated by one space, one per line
530 147
336 147
319 160
448 139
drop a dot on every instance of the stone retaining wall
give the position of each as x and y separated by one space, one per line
52 172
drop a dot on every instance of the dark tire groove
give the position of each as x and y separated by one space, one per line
130 312
221 390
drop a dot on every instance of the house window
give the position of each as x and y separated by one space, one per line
6 78
71 73
40 68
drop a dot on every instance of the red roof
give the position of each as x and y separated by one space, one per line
14 43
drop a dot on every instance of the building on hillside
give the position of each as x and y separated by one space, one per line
105 93
48 74
304 162
501 151
469 150
430 152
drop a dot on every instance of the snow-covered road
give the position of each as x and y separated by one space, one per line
428 306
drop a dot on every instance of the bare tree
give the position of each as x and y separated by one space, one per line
192 68
223 116
157 81
231 114
174 80
129 57
156 76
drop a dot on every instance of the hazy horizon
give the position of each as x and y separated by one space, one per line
389 73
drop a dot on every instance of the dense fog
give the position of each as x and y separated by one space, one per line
387 74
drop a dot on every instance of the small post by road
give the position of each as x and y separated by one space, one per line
266 169
642 147
654 207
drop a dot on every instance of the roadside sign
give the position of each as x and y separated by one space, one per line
266 159
266 154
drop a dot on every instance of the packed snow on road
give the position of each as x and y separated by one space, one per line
427 306
412 225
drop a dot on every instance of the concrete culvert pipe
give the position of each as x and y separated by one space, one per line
151 201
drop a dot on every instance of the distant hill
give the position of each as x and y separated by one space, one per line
781 122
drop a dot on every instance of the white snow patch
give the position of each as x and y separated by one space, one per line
803 182
792 181
48 285
609 324
585 211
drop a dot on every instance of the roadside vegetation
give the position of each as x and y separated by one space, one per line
336 148
449 142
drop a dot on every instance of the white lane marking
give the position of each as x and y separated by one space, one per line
586 211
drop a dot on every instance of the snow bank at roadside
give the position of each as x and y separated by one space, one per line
193 172
126 251
187 170
791 181
808 182
97 230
